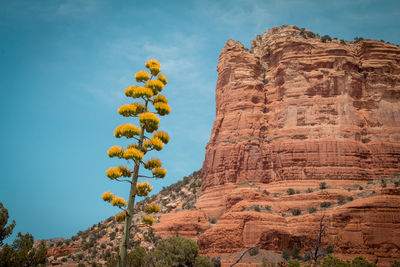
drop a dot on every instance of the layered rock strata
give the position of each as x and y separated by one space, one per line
295 111
296 108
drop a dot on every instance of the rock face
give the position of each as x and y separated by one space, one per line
297 108
291 113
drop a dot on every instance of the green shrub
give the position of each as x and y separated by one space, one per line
268 207
291 191
296 212
135 258
350 198
358 39
256 208
312 210
212 220
322 185
265 192
329 249
326 38
360 188
396 183
295 252
112 235
325 204
395 264
80 265
342 41
309 190
253 251
202 261
294 263
335 262
176 251
361 262
286 253
341 200
86 246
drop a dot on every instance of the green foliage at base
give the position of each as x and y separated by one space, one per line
22 253
173 251
336 262
136 257
294 263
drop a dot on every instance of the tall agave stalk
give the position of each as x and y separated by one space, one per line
147 96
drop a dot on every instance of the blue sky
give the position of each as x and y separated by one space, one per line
64 66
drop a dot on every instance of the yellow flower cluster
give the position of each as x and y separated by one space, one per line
157 143
125 171
162 108
144 149
114 172
163 136
152 208
107 196
160 98
143 189
152 163
159 172
142 76
147 143
155 85
133 153
115 151
128 130
149 121
120 217
149 220
118 202
152 62
162 79
143 92
129 91
131 110
154 66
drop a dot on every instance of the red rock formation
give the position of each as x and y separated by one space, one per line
57 252
290 113
296 108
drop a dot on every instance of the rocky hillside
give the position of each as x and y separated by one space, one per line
295 111
101 242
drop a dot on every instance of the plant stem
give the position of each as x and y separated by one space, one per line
131 204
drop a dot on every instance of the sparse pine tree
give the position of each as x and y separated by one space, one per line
5 231
149 102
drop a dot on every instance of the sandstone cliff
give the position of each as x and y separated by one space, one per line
296 108
291 113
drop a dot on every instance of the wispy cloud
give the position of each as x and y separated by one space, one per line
77 7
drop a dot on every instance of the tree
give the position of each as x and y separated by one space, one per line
21 252
153 84
5 231
177 251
